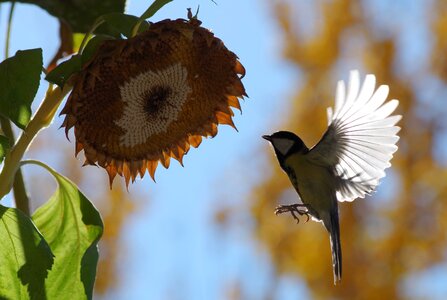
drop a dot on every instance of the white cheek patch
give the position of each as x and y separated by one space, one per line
283 145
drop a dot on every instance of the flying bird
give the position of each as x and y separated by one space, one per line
349 160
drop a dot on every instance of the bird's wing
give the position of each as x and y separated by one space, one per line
361 138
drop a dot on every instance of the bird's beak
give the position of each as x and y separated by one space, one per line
267 137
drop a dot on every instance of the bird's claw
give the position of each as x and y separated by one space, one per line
295 209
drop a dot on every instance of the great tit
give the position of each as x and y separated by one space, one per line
349 160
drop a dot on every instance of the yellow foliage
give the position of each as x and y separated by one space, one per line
119 207
382 242
439 28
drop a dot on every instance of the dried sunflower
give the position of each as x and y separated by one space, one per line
149 98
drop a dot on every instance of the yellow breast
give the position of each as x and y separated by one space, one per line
315 183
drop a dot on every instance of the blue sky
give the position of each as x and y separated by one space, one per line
172 247
187 256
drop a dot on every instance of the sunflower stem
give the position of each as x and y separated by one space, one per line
8 30
155 6
99 21
20 195
42 118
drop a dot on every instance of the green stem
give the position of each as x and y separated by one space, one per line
155 6
8 30
20 195
38 163
43 117
97 23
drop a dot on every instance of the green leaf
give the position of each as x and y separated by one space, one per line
64 70
19 81
118 23
92 46
62 73
155 6
4 146
77 41
80 14
25 257
72 227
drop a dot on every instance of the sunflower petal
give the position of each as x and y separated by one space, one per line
165 161
152 167
195 140
239 69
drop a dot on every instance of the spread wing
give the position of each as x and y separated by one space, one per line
361 138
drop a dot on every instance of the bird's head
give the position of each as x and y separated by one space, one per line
286 143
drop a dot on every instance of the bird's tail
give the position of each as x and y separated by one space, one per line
333 227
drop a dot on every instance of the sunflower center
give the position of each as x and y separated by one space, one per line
156 99
152 101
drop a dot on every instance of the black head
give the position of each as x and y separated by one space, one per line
286 143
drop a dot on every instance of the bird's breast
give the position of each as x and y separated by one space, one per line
314 183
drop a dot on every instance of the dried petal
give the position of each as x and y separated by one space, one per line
195 140
152 167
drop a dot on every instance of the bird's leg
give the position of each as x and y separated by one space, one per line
294 209
295 216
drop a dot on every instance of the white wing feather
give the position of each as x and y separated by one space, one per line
361 138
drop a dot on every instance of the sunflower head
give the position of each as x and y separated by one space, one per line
146 99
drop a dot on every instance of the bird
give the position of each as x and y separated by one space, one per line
348 161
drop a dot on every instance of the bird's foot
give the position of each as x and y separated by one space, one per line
295 209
